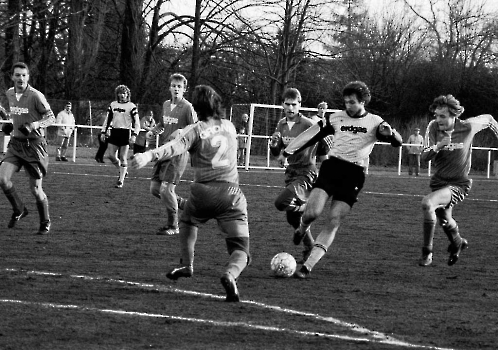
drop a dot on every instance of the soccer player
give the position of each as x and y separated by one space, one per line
177 114
448 142
341 177
31 114
64 132
300 172
122 118
215 192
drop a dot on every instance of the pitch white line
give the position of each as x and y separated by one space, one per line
270 186
369 335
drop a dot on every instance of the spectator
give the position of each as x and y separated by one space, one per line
64 132
147 123
242 140
415 151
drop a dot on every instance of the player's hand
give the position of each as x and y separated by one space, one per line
282 161
103 137
385 129
444 142
133 139
7 128
26 128
149 134
139 160
275 138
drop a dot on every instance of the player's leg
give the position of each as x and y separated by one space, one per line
314 207
155 187
450 226
188 237
63 149
410 164
234 223
417 164
36 188
169 201
338 212
123 164
112 154
7 169
430 203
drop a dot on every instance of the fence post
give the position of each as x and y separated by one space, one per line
74 143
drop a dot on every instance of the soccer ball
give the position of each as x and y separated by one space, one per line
283 265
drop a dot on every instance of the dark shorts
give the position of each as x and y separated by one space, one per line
170 170
119 137
300 181
28 153
341 180
222 201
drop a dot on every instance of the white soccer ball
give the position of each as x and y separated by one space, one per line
283 265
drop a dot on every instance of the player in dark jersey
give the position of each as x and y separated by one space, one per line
215 192
300 170
31 114
121 128
448 142
177 114
341 177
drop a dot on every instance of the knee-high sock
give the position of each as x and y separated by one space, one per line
15 201
188 237
236 263
42 207
122 171
317 253
453 234
429 229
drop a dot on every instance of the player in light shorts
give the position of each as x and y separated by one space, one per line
448 142
215 193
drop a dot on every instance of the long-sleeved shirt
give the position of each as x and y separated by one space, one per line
32 106
122 116
213 150
452 163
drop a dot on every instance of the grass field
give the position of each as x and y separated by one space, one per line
98 280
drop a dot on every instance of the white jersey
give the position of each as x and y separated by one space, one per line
354 138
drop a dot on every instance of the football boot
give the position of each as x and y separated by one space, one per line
181 271
426 258
16 217
456 250
44 228
302 273
230 285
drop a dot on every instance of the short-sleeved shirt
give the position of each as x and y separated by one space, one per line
122 116
177 118
354 138
303 159
30 108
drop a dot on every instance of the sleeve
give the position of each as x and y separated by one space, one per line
394 139
309 137
135 121
178 146
484 121
429 151
276 148
107 120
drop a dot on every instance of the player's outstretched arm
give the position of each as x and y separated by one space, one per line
309 137
386 133
139 160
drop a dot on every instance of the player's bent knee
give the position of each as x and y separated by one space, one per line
239 243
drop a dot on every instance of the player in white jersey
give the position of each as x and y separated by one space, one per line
122 118
341 177
31 114
215 192
448 142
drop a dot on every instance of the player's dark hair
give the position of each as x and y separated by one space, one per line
207 103
291 93
449 101
359 89
19 65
